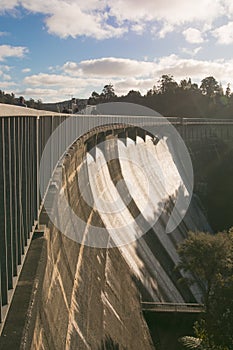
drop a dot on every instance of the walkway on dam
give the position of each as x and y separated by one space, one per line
173 307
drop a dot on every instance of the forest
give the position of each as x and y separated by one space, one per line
167 96
10 98
172 99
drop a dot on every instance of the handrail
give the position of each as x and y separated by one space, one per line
170 304
172 307
7 110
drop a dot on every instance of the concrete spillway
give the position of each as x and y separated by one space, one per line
89 297
105 312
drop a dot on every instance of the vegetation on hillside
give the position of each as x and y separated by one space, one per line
168 97
12 100
210 259
184 99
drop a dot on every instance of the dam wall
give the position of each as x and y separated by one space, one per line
89 297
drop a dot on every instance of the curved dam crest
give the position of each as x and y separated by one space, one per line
88 296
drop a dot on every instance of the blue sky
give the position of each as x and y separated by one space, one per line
58 49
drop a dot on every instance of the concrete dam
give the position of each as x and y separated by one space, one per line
105 248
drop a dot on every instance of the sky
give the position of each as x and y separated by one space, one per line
54 50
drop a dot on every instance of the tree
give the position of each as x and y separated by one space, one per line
94 99
210 259
95 95
108 92
185 84
39 104
194 87
209 86
206 256
31 103
202 340
228 90
219 91
134 94
167 84
150 93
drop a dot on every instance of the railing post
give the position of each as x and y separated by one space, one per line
37 165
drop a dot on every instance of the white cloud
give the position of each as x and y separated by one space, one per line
173 12
69 20
101 71
5 76
81 78
180 68
12 51
75 18
5 68
70 68
108 67
167 28
7 5
26 70
38 93
103 19
3 73
49 79
193 36
84 87
48 95
224 34
124 86
191 52
197 69
6 84
93 18
115 67
229 7
58 94
138 28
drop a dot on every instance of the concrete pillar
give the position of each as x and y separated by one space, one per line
132 133
91 146
100 138
122 135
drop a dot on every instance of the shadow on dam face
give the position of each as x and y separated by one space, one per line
87 297
167 328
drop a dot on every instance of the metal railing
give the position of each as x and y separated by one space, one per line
22 140
172 307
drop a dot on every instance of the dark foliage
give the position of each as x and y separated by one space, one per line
210 259
12 100
169 98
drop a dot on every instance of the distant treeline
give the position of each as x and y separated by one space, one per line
62 106
12 100
184 99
